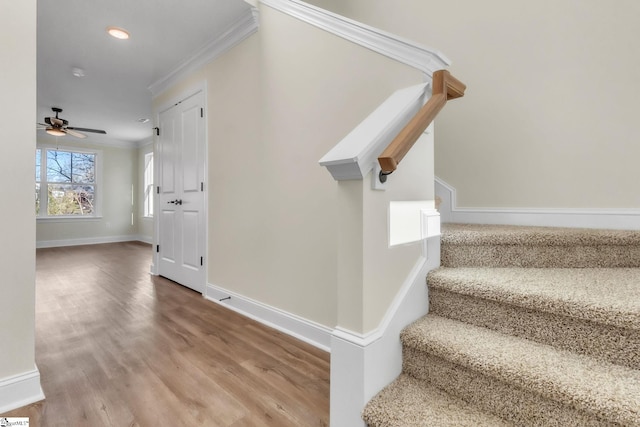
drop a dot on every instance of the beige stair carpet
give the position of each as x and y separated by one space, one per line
536 326
594 311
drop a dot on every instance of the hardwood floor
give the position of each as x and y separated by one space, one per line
116 346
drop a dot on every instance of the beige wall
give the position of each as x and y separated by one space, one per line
549 119
119 179
17 228
276 104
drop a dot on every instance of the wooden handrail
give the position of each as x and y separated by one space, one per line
445 87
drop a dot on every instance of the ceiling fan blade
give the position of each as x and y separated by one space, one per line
87 130
41 126
74 133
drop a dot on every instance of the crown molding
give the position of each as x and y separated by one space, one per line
402 50
245 26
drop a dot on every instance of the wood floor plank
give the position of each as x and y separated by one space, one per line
118 347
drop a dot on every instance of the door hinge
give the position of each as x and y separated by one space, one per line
202 112
157 129
201 260
202 186
157 248
158 189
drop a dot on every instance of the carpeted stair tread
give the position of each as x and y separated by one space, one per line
609 296
488 234
474 245
604 390
409 402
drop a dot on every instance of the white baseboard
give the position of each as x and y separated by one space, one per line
620 219
90 241
361 365
144 239
20 390
305 330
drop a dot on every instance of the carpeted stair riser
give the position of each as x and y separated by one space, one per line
540 256
500 398
603 342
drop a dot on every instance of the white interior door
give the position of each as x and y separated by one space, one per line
181 214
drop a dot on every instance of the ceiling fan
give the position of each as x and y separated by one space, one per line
59 127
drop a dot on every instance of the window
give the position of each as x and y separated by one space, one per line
66 183
148 185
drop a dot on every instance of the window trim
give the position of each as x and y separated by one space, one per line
98 184
148 186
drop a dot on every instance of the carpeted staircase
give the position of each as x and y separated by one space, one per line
527 326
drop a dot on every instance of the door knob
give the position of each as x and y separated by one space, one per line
176 201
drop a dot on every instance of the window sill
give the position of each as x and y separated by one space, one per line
68 218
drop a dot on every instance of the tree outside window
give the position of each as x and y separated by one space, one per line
65 183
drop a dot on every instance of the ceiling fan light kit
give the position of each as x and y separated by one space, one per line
55 132
59 127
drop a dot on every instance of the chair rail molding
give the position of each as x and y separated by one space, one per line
620 219
402 50
245 26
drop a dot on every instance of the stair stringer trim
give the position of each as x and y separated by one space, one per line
363 364
614 219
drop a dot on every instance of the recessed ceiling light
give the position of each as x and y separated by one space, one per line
118 33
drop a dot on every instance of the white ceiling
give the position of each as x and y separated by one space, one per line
114 93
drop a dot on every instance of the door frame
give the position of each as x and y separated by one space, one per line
190 91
